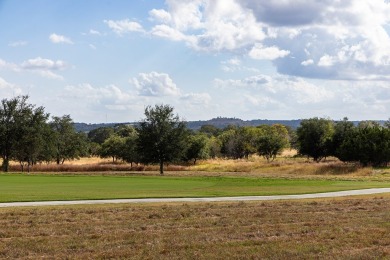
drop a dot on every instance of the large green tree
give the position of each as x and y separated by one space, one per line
19 129
272 141
32 143
315 137
368 145
68 143
161 136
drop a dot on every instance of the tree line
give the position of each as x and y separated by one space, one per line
30 136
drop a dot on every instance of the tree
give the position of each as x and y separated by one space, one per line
272 141
249 137
101 134
368 146
161 136
129 153
231 144
210 130
113 147
196 148
214 147
342 129
18 119
387 124
314 137
31 144
68 144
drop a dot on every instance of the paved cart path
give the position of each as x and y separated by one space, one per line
209 199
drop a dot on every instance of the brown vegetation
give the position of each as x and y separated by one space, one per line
286 166
355 228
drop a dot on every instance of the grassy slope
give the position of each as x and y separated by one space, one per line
64 187
356 228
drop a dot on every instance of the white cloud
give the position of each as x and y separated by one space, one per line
44 67
197 98
155 84
288 90
7 65
43 64
326 61
208 25
8 90
338 39
40 66
94 32
18 43
108 95
160 15
307 62
170 33
56 38
121 27
259 52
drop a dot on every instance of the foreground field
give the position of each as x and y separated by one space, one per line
355 228
43 187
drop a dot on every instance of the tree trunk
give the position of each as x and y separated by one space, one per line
161 168
5 164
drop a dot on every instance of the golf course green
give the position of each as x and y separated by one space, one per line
23 187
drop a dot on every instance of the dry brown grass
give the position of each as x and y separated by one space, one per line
285 166
355 228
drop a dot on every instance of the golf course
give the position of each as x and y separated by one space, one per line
43 187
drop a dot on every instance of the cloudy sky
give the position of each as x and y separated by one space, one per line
104 61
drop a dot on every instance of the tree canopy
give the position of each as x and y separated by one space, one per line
161 136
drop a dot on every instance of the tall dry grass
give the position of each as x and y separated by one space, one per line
355 228
286 165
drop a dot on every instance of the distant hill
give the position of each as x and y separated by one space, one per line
219 122
222 122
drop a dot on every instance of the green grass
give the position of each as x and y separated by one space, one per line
21 187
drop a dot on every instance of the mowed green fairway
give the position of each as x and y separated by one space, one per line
20 187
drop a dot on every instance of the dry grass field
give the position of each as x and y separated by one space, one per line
344 228
285 166
353 228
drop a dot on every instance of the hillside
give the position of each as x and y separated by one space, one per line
219 122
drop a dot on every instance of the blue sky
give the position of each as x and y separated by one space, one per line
104 61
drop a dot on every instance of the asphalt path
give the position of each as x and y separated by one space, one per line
209 199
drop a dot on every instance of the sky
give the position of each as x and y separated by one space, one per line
106 61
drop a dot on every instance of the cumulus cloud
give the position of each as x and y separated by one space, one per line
282 96
121 27
7 65
289 90
41 66
8 90
208 25
155 84
316 39
56 38
259 52
107 95
160 15
197 98
44 67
